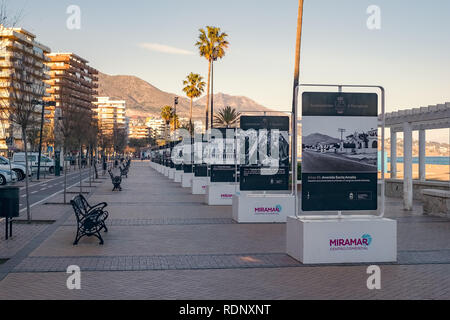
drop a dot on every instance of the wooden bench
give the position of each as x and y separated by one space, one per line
90 219
436 202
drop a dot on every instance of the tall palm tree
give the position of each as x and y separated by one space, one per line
194 86
166 115
212 44
227 117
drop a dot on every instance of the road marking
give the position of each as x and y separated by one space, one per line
43 189
34 192
43 200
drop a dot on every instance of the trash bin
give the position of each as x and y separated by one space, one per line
9 207
9 202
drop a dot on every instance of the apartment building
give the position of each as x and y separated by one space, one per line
73 85
157 127
110 115
23 73
138 129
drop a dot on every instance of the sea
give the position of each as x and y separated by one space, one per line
443 161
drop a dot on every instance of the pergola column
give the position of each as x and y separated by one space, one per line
422 155
393 154
407 167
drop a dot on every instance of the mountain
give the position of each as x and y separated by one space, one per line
316 138
240 103
144 99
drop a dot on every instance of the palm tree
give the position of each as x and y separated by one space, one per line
166 115
211 45
227 116
193 87
174 122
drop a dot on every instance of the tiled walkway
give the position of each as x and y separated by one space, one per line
165 243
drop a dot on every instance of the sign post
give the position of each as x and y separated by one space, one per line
340 174
264 171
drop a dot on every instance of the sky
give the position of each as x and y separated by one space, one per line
154 40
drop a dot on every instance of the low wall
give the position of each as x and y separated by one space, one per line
436 203
394 187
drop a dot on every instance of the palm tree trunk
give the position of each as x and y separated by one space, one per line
207 95
294 159
27 191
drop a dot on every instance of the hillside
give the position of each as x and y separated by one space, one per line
144 99
316 138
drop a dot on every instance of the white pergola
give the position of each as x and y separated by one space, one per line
407 121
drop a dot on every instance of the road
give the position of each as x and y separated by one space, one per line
314 162
43 190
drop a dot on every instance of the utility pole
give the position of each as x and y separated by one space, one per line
44 104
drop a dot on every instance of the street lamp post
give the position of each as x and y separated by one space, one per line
44 104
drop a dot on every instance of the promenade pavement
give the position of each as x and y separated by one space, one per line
164 243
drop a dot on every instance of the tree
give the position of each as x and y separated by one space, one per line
21 108
212 44
166 115
174 122
119 140
66 121
227 117
194 86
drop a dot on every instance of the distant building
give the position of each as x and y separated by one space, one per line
157 127
22 66
110 115
73 84
138 129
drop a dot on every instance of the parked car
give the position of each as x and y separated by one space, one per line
17 168
47 164
7 176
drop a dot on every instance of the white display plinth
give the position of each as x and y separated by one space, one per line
220 194
356 239
186 180
260 208
172 173
166 171
199 185
178 174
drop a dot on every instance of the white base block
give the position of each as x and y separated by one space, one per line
172 173
166 171
186 180
360 239
199 185
257 208
220 194
178 175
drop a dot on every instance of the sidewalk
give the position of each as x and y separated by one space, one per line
164 243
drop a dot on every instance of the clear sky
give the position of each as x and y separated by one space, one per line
154 40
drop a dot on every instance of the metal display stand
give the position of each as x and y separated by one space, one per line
342 238
262 206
